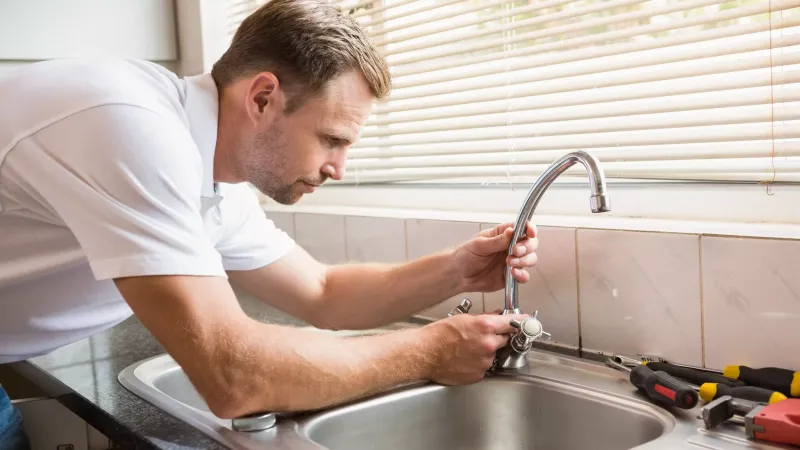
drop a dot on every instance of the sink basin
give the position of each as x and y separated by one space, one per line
509 413
557 403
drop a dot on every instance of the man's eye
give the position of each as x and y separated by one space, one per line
334 142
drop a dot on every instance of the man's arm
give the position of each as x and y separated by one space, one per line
368 295
351 296
241 366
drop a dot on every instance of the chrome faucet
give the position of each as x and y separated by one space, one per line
513 355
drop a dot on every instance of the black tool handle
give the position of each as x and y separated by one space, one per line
693 375
664 388
713 391
784 381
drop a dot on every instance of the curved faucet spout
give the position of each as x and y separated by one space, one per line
599 202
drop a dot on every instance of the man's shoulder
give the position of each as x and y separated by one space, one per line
91 74
50 91
63 86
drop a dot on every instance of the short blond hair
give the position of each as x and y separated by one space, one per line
305 43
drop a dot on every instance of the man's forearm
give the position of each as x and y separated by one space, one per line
358 296
240 365
287 369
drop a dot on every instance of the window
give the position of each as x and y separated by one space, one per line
490 92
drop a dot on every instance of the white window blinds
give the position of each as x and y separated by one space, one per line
494 91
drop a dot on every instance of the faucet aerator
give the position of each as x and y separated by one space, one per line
600 203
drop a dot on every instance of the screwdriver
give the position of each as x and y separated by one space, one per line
693 375
784 381
659 386
713 391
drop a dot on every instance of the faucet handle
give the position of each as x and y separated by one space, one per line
530 329
462 308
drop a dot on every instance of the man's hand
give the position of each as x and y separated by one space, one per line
482 261
465 345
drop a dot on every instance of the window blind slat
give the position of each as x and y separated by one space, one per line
764 96
699 118
726 150
483 44
695 69
511 56
389 6
594 67
665 90
760 170
516 63
456 25
694 135
358 6
399 15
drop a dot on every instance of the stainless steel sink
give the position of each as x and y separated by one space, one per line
557 402
509 413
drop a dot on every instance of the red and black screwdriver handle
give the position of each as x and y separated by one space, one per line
659 386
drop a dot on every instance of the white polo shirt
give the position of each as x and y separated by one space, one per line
106 171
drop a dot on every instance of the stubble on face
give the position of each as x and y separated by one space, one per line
268 163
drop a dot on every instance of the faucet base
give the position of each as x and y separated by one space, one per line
509 358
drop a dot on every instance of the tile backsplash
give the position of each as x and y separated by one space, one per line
694 299
751 299
375 239
640 293
424 237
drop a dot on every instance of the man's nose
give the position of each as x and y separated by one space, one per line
335 170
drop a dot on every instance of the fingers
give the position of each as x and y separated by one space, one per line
488 245
498 341
526 246
531 230
498 230
521 275
502 324
528 260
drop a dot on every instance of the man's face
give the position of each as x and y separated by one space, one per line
293 154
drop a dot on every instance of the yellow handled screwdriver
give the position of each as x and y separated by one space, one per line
712 391
784 381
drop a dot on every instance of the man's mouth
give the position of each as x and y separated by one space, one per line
310 187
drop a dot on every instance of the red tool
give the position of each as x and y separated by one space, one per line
778 422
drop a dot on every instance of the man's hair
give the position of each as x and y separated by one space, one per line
306 44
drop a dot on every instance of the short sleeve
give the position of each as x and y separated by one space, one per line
249 239
126 180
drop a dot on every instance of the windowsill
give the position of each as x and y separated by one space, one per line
716 209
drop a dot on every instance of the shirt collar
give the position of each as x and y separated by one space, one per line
202 110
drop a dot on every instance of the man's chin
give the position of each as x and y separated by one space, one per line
289 198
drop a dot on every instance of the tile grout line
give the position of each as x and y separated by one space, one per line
702 302
346 247
578 293
405 238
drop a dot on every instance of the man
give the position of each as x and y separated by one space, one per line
122 191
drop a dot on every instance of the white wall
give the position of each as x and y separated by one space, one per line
34 30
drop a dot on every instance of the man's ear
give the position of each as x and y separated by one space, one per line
264 98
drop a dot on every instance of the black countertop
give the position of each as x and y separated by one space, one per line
83 377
